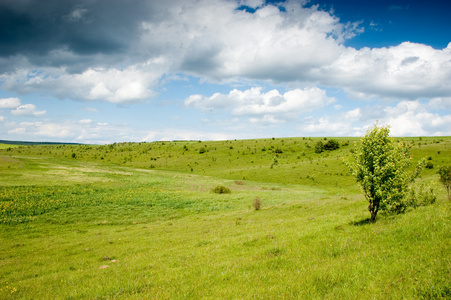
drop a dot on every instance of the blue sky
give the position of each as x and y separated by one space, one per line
115 71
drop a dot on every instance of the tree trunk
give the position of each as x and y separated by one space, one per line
373 211
373 216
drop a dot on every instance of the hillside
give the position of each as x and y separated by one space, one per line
288 160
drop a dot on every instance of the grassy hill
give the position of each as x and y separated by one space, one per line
140 220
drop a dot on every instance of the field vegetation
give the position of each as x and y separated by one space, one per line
241 219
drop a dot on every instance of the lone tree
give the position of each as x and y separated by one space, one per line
380 167
445 178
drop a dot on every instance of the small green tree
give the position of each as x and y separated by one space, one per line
445 178
380 167
331 145
319 147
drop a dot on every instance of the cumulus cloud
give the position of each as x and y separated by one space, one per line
331 126
17 109
440 103
28 110
112 85
9 102
85 121
270 105
252 3
409 71
411 118
406 118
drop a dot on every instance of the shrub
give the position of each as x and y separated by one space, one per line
429 165
220 189
319 147
421 195
331 145
257 203
445 178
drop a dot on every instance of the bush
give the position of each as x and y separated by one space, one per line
421 195
220 189
257 203
331 145
429 165
319 147
445 178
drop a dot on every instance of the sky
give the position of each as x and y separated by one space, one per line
105 71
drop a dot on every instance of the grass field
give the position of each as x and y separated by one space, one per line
6 146
140 220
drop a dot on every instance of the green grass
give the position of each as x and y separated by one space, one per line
88 228
6 146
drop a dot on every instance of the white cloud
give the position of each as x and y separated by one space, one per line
252 3
105 84
27 110
272 105
85 121
411 118
409 70
183 134
331 126
2 118
299 45
9 102
440 103
353 115
406 118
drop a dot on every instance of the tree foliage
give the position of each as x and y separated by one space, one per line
445 178
331 145
319 147
380 167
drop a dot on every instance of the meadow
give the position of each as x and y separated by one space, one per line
140 221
